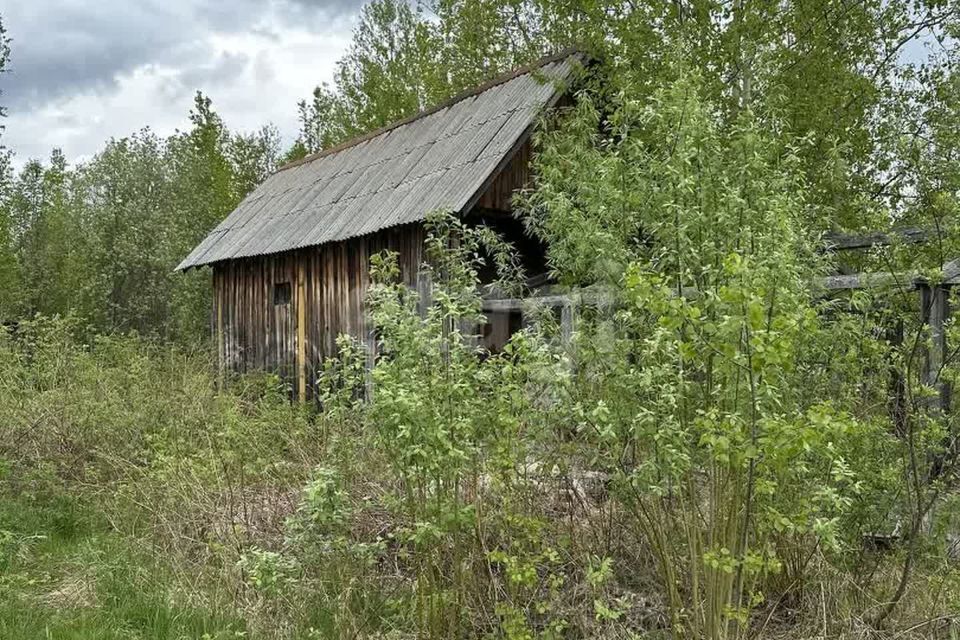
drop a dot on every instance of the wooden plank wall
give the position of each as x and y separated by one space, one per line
252 332
255 334
516 175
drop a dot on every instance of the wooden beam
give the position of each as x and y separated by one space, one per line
909 281
567 320
504 305
834 241
549 298
371 360
555 297
221 351
424 292
521 304
866 281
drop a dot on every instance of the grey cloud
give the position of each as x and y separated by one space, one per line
332 6
64 47
220 70
83 71
266 32
245 14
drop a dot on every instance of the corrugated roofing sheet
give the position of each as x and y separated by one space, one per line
435 160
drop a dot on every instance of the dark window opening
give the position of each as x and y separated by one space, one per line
500 326
281 293
515 323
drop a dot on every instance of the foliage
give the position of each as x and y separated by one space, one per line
7 259
690 401
4 58
116 455
101 240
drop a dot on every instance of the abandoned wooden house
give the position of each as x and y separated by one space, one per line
291 264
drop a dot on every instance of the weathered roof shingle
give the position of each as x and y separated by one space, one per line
438 159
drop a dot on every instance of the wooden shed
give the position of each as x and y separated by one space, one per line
291 263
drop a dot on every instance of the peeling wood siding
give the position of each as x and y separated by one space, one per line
256 334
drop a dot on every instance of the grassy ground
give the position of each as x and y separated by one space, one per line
64 576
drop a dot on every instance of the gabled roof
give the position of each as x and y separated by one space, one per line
438 159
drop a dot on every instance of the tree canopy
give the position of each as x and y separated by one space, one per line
850 85
101 240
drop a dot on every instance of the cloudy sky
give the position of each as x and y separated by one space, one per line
82 71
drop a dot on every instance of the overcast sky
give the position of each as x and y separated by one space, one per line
82 71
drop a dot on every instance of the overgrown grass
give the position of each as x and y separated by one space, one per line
125 478
468 499
65 574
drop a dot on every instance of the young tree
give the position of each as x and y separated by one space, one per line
125 197
4 59
211 172
9 272
8 267
43 237
386 75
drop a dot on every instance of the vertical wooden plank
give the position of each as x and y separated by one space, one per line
268 313
566 323
301 330
256 305
314 318
934 311
424 291
244 328
262 317
230 300
218 301
324 303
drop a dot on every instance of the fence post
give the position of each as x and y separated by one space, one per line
934 311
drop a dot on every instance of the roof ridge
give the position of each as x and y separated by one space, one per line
449 102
